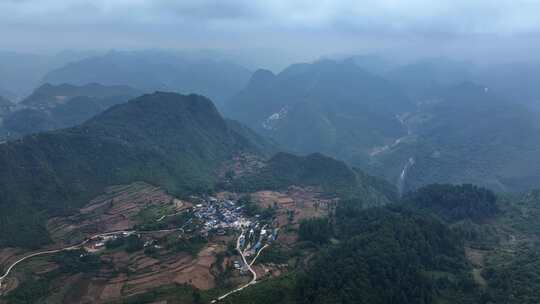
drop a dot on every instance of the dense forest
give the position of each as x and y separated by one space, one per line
333 177
455 202
393 254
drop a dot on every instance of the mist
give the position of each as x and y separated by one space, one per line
273 34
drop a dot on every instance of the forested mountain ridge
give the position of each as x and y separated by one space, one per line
156 70
331 107
333 177
467 134
171 140
5 105
49 95
455 202
52 107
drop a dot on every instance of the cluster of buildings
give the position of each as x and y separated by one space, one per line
255 237
218 215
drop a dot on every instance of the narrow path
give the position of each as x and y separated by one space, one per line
248 265
78 246
38 254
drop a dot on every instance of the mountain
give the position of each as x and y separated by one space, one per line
515 81
171 140
22 72
373 63
333 177
455 202
156 70
5 106
421 78
466 134
52 107
49 96
379 255
332 107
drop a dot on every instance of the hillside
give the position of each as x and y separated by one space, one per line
380 255
5 105
455 203
316 170
49 96
171 140
331 107
22 72
52 107
466 135
156 70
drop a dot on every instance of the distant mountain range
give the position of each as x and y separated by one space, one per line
327 106
467 134
156 70
52 107
414 124
5 105
20 73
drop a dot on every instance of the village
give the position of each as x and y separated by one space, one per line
207 216
177 240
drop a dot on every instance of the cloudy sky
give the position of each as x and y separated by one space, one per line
472 28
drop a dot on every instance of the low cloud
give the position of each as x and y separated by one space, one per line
288 25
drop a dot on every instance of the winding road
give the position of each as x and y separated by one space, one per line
38 254
78 246
248 265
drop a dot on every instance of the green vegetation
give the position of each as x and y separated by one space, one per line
334 177
280 290
455 202
332 107
275 254
166 139
77 262
496 152
174 294
383 255
30 291
52 107
34 289
191 245
517 280
316 230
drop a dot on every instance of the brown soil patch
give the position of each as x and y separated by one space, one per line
8 256
303 203
111 291
198 274
477 257
112 211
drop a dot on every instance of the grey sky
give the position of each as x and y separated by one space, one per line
473 27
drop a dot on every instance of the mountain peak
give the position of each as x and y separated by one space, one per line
261 78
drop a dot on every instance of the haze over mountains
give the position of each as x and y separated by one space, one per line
428 112
285 151
369 111
346 138
156 70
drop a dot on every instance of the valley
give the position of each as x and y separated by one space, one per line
269 152
157 223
